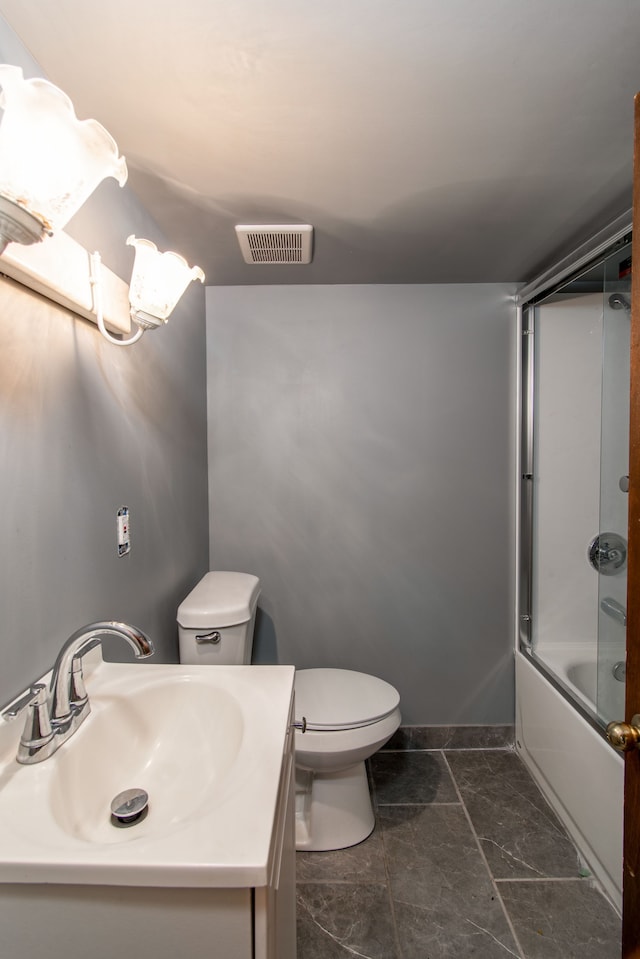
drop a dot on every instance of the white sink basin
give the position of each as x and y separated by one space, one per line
173 738
205 742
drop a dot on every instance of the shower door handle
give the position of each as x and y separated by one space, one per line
625 736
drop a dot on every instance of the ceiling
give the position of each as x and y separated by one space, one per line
426 142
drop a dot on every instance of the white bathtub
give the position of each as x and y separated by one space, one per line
576 667
576 769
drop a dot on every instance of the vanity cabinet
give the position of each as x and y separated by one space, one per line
71 916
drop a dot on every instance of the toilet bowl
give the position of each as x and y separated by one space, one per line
342 718
347 715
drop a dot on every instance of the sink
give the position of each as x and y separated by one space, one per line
172 738
205 742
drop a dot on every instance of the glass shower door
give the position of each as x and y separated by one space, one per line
574 504
608 551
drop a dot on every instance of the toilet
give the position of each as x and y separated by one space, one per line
342 716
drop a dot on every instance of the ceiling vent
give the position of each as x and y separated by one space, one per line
276 244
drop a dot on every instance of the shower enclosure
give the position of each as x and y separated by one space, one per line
573 527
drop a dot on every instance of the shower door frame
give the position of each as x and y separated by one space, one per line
598 250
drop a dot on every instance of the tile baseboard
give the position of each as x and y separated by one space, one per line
451 737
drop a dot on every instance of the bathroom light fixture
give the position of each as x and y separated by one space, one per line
158 281
60 270
50 162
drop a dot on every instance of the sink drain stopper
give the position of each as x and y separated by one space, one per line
129 807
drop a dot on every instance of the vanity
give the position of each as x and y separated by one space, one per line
208 871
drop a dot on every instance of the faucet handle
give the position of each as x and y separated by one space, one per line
37 735
36 694
77 690
37 727
14 707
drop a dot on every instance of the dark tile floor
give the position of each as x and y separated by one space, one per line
466 860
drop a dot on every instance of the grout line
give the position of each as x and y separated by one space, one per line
392 907
484 859
387 878
509 747
382 805
587 879
318 880
376 808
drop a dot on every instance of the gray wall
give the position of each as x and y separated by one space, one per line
361 462
86 427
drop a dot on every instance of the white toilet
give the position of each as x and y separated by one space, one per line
346 715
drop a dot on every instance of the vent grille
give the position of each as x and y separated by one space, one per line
276 244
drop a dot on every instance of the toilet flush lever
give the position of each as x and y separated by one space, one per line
213 637
301 725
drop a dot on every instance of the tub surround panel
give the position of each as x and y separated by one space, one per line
360 461
567 444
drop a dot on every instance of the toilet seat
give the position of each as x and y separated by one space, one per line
341 699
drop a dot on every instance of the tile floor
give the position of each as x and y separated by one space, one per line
466 860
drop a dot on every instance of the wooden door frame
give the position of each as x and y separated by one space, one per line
631 869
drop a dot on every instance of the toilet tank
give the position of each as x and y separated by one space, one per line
216 620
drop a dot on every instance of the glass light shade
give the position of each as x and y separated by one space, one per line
157 282
50 161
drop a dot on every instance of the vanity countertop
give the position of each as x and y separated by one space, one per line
207 744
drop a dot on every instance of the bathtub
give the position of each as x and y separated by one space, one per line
575 666
580 774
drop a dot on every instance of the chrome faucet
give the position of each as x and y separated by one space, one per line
68 694
53 719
